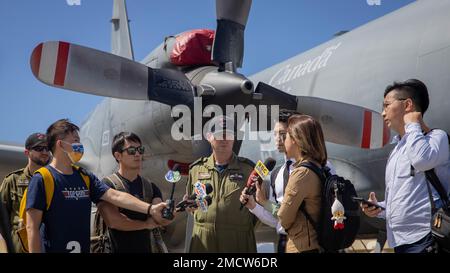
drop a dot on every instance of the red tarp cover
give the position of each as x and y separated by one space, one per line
193 48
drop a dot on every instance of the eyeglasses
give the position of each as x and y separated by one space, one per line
386 105
133 150
281 135
40 149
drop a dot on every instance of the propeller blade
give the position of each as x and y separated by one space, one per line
342 123
232 18
91 71
346 124
274 96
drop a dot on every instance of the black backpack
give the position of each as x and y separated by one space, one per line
330 239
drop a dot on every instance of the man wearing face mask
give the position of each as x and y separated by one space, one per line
15 183
63 224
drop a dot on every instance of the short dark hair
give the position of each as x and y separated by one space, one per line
413 89
285 114
59 130
119 141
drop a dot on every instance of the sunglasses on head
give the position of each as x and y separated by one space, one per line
133 150
40 148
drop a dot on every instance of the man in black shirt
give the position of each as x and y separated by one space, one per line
131 233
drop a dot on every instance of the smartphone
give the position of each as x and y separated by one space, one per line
364 201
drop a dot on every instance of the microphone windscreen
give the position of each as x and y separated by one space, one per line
208 188
270 163
208 200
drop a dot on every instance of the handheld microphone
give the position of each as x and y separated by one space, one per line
202 189
172 176
203 203
259 172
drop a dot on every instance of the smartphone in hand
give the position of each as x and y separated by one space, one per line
364 201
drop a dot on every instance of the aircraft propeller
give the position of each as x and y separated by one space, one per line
82 69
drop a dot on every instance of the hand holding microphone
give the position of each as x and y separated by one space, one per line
247 199
261 170
173 176
199 198
202 203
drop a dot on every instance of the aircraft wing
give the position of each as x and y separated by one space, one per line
11 158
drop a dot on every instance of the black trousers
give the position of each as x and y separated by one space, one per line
282 240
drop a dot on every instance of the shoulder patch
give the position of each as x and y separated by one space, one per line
198 161
15 172
247 161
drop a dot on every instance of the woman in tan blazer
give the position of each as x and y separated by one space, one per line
304 142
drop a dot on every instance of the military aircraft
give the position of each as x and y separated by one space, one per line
339 83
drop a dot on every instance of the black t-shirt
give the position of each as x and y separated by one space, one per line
137 241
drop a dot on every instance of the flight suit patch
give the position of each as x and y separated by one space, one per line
204 176
236 177
22 183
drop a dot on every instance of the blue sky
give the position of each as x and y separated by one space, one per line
276 30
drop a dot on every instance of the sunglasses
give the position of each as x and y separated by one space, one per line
40 148
133 150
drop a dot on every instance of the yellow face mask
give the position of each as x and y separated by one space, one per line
77 152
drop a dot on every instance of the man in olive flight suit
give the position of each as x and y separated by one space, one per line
15 183
223 227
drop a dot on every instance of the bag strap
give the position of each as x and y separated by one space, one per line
273 177
23 206
117 182
84 175
147 190
319 172
433 179
49 188
49 185
430 198
313 167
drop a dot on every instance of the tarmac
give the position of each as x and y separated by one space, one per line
359 246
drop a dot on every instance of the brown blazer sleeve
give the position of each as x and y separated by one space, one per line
297 189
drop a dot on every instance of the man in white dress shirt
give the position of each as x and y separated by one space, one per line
418 149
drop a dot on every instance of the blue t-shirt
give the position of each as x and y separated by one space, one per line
66 224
